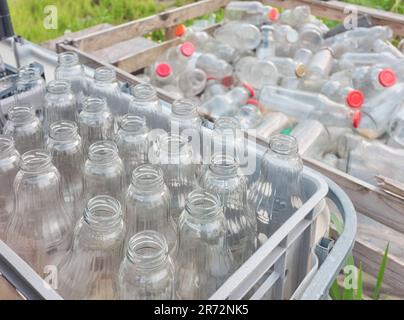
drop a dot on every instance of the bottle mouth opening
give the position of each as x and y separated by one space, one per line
224 163
94 105
63 130
147 249
21 113
6 144
103 151
102 211
202 204
184 107
29 72
147 176
143 92
227 124
105 74
58 87
133 124
68 58
283 144
172 143
35 160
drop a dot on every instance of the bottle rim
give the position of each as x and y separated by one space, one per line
172 143
102 212
105 74
133 124
147 176
36 160
184 108
102 152
224 164
202 204
147 249
94 104
283 144
21 114
58 87
63 130
68 58
7 145
29 73
143 92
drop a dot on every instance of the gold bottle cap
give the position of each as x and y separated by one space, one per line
300 70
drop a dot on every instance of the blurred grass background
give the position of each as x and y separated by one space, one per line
74 15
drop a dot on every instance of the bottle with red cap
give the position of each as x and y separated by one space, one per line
180 56
161 74
249 115
308 105
229 103
357 59
212 65
213 88
253 12
241 36
256 72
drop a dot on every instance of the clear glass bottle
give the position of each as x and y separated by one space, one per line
40 228
90 269
65 146
225 179
242 36
147 271
132 140
175 156
267 47
60 103
9 164
192 82
277 193
147 204
95 122
256 73
104 171
31 88
25 128
204 260
146 104
106 86
249 115
253 12
69 68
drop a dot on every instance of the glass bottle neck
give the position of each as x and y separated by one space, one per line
143 93
284 145
105 75
35 161
224 165
133 125
148 177
203 205
147 250
184 108
58 87
103 152
64 131
7 147
172 144
103 213
28 74
68 59
94 105
21 114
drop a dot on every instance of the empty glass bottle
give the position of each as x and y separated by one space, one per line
31 88
204 260
310 36
180 56
65 146
253 12
192 82
226 180
106 86
25 128
277 193
69 68
95 122
175 156
249 115
133 142
147 271
296 16
212 65
267 47
256 73
60 103
9 164
104 171
90 268
239 35
146 104
213 87
147 205
40 228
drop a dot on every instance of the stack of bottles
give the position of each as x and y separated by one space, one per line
122 199
273 71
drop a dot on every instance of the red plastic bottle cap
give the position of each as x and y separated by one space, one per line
163 70
228 81
252 101
355 99
187 49
356 119
273 14
210 78
250 89
387 78
180 30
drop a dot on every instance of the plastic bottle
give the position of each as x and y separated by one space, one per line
212 65
242 36
357 59
273 122
287 40
213 88
256 73
310 36
320 64
253 12
385 46
249 115
178 57
287 67
303 105
396 129
295 17
192 82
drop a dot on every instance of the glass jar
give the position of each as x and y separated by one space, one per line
104 171
25 128
65 146
60 103
106 86
40 229
175 156
147 204
277 193
90 268
132 141
9 164
147 272
146 104
95 122
70 69
31 88
204 260
226 180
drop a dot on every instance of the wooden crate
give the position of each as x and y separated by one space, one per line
385 208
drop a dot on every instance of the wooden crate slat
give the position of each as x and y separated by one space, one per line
143 26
